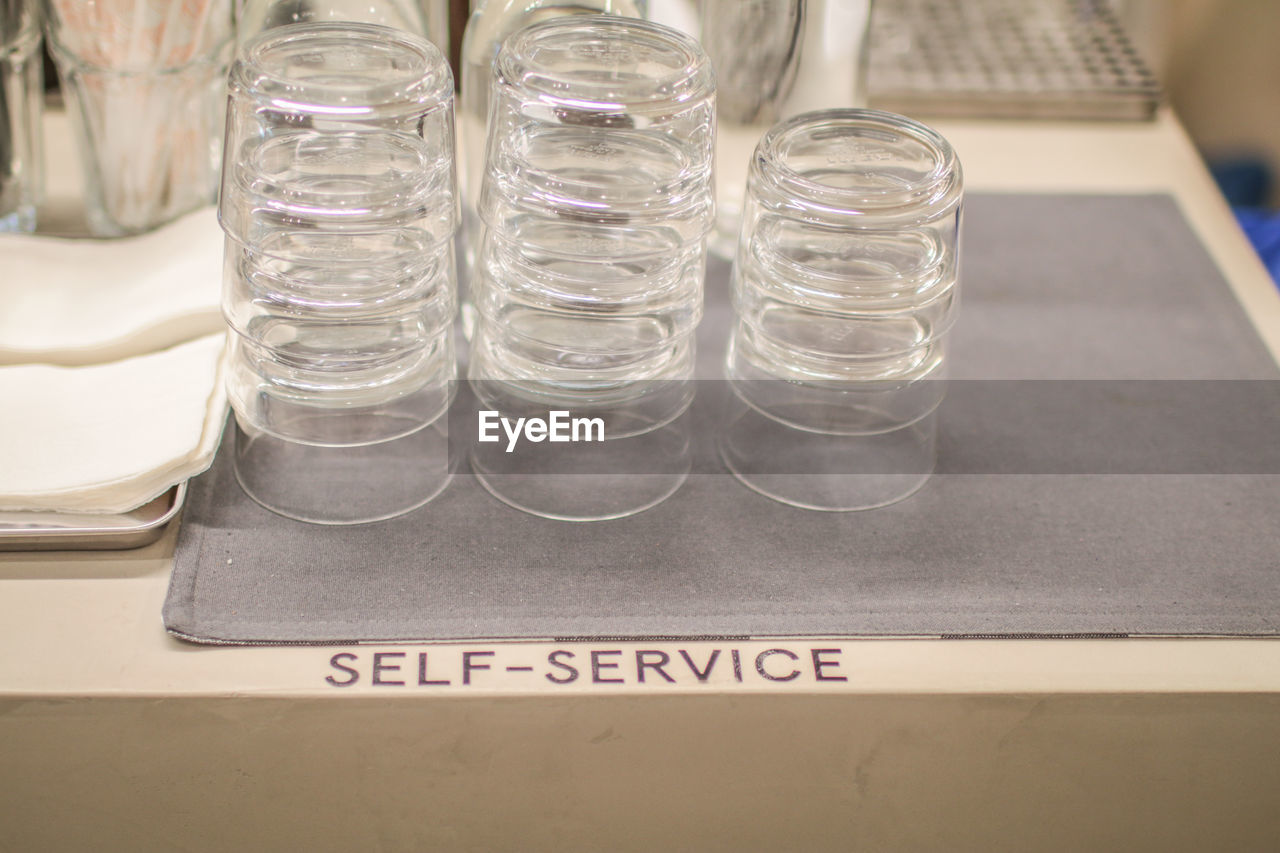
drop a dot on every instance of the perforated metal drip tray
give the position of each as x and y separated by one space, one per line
1007 59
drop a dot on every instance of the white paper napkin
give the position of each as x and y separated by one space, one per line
65 301
108 438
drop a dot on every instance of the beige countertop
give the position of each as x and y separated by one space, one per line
1150 743
95 617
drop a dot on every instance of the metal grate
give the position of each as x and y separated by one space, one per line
1007 58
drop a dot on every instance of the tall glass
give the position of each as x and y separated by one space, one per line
491 22
596 205
339 207
21 100
145 83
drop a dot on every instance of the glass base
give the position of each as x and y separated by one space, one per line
581 497
834 472
343 484
596 481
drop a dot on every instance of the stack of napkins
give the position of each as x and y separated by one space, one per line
110 366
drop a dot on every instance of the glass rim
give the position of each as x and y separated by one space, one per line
673 257
694 206
932 196
372 226
691 83
428 83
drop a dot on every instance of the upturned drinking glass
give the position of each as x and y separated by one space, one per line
490 24
844 286
339 207
597 199
596 206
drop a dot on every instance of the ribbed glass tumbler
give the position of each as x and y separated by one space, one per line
845 285
339 206
596 204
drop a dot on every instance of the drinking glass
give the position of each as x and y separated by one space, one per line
339 206
489 25
145 83
595 208
844 287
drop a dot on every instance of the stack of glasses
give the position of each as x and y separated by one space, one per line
339 208
596 205
844 289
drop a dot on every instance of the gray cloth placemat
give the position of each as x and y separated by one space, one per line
1054 287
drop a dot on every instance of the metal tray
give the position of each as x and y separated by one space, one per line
1067 59
54 531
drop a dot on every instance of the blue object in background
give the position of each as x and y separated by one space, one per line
1263 230
1246 182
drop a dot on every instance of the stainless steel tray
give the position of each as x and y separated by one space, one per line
1067 59
54 531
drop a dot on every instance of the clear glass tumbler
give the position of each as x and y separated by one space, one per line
491 22
145 83
339 206
596 206
844 288
597 200
21 102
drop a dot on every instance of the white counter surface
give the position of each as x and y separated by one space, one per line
115 736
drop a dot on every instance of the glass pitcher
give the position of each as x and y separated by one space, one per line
775 59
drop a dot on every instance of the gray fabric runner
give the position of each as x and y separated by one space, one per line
1054 287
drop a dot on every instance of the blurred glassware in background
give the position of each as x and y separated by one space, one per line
426 18
845 286
21 106
339 207
775 59
145 84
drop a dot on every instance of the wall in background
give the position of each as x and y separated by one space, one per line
1220 63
